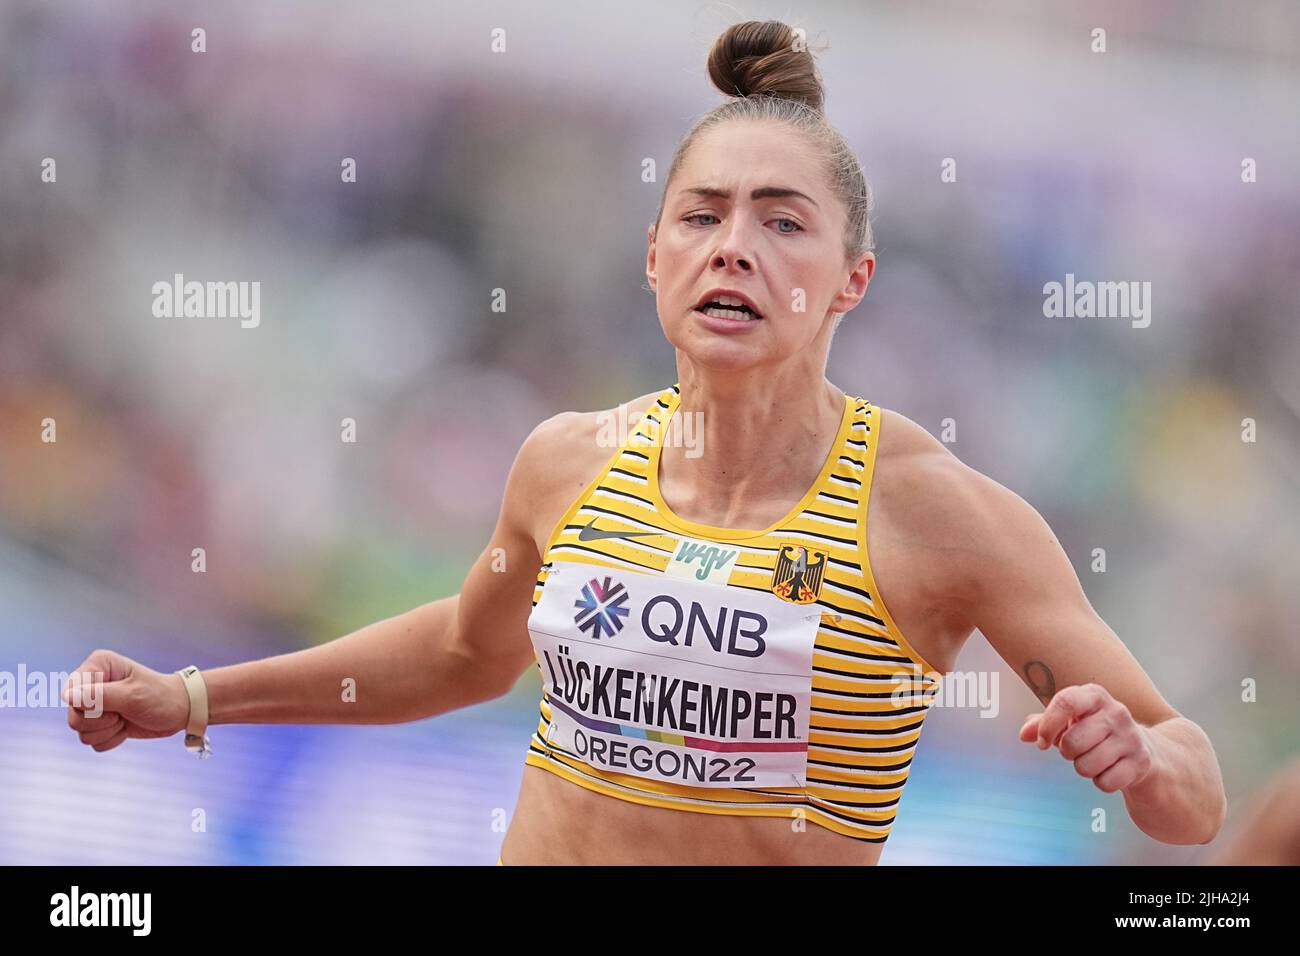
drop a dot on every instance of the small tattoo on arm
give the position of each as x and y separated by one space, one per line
1041 681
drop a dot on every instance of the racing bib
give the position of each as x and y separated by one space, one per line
675 679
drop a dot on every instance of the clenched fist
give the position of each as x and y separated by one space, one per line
1095 731
111 698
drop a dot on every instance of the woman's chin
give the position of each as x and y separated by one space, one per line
723 356
722 353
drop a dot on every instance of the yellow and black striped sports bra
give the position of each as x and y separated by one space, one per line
723 670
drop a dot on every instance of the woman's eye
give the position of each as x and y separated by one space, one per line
709 215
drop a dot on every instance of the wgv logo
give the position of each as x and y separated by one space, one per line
601 608
702 561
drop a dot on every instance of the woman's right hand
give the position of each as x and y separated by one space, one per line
111 697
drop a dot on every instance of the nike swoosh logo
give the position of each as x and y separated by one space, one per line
589 533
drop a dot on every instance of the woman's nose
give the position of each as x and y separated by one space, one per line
732 251
725 259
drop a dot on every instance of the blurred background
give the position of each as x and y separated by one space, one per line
521 170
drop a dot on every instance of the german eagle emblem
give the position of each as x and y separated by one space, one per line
798 574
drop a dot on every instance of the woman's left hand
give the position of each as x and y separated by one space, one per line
1095 731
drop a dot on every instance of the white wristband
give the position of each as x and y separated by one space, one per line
196 738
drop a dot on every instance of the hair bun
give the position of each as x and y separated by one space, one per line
763 57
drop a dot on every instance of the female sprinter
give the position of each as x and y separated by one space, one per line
722 681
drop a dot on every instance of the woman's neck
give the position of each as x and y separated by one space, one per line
747 439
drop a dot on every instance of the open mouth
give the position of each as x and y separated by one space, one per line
728 309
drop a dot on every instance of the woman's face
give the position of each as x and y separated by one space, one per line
749 211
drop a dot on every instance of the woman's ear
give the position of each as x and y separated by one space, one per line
856 286
650 272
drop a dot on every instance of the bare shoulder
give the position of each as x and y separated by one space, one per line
561 456
556 442
925 483
936 501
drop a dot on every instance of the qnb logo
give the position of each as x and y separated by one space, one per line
102 909
664 620
601 608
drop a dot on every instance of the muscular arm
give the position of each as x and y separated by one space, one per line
449 653
1011 579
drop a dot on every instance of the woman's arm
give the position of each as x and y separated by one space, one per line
441 656
1101 711
399 669
450 653
1006 574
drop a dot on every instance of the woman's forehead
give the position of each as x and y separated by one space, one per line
738 158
